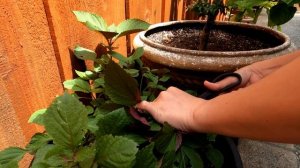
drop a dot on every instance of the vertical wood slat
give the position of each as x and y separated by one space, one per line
167 10
29 77
189 15
174 9
181 9
147 10
67 32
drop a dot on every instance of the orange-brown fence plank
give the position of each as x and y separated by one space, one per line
29 77
181 9
173 10
147 10
167 6
66 32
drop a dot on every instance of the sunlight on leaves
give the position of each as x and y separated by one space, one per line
37 117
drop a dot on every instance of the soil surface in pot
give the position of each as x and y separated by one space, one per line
221 39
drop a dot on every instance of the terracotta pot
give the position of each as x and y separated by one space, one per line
188 63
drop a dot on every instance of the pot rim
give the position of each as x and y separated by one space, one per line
285 38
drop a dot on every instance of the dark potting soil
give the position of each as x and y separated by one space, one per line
219 39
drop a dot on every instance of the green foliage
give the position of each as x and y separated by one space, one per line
118 56
279 12
120 86
97 23
168 159
193 156
93 21
106 131
38 141
215 157
42 159
84 54
146 157
87 75
37 117
107 124
85 156
210 9
165 140
131 26
66 121
244 8
78 84
11 156
207 8
116 151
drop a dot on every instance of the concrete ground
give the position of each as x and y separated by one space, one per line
292 29
257 154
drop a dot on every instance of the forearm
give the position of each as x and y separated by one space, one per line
266 67
266 110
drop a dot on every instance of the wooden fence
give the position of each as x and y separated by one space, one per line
36 40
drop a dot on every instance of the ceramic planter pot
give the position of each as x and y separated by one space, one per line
216 61
205 65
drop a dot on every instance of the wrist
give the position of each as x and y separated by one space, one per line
201 117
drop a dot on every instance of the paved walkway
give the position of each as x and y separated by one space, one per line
292 29
256 154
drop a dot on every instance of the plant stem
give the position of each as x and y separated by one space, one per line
204 34
257 13
110 43
230 12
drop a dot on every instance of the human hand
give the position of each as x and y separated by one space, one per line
249 76
175 107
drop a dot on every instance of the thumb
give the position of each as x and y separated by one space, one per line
147 106
221 84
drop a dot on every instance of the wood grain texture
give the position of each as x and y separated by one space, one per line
166 10
173 10
147 10
66 31
29 77
150 11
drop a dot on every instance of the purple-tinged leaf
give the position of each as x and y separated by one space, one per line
178 140
138 117
120 86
